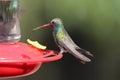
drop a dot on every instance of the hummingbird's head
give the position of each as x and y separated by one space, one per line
56 22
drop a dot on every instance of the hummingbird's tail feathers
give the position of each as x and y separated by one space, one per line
84 52
87 55
82 58
79 55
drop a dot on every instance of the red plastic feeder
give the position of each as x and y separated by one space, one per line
21 59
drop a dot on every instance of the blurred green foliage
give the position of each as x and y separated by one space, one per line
93 24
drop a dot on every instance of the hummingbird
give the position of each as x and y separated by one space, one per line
64 41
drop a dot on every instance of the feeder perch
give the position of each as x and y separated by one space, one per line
18 59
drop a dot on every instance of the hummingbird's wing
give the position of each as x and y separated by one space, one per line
69 38
67 43
70 48
74 45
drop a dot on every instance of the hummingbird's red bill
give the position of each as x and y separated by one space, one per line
43 26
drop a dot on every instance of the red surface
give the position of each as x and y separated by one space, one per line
19 59
16 69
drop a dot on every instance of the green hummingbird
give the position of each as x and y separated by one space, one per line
64 41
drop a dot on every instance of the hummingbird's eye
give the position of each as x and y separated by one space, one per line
53 22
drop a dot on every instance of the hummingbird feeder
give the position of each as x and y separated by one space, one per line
18 59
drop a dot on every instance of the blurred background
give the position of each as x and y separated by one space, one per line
94 25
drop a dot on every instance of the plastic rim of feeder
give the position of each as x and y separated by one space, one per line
21 59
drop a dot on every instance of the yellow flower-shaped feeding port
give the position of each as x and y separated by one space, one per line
36 44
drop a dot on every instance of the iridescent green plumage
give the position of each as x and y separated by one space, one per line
64 41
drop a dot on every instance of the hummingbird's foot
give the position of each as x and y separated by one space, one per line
62 51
